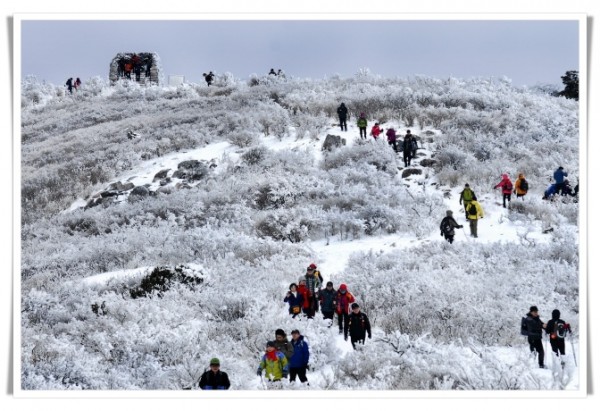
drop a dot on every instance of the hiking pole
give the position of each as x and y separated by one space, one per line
466 236
573 348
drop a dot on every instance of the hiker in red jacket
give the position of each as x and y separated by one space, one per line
507 187
305 293
376 131
342 306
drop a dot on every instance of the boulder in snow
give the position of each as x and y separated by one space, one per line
332 141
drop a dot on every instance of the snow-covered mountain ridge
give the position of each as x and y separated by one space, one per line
276 202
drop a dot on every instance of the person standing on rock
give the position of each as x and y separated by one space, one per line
342 112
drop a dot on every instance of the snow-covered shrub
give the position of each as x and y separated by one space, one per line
242 139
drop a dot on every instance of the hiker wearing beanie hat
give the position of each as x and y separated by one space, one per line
557 331
466 196
535 328
314 280
283 344
358 326
327 299
342 306
274 363
214 378
447 227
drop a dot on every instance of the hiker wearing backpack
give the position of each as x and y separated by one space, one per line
295 300
208 78
299 360
343 300
376 131
327 299
507 187
358 326
343 114
391 138
282 343
305 293
535 327
521 186
447 227
474 213
274 363
362 125
466 196
214 378
69 84
407 149
314 280
567 190
559 178
557 331
414 145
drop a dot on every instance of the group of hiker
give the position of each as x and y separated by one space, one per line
474 211
407 145
283 358
134 64
533 327
561 186
73 84
279 73
305 297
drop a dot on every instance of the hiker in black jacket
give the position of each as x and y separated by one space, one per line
447 227
343 114
358 326
535 328
214 379
557 329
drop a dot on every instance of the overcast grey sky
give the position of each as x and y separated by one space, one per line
526 51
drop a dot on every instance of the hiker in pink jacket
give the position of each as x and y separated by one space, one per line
507 187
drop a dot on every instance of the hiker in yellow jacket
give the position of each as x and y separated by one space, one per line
474 213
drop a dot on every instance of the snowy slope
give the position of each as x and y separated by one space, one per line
164 341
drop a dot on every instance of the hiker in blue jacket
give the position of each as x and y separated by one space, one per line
559 177
299 361
294 299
